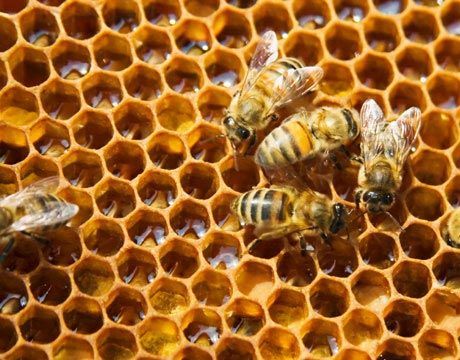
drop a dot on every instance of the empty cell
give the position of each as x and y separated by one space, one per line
420 26
450 17
152 46
378 250
286 307
82 168
49 138
176 113
166 151
8 7
159 336
116 344
244 317
50 286
374 71
447 54
29 66
125 160
24 258
221 251
162 12
84 202
136 267
13 145
70 60
438 130
208 144
25 352
212 104
157 189
39 325
103 237
303 46
93 276
199 180
126 306
178 258
431 168
8 34
254 278
230 348
83 315
60 100
231 28
278 343
18 107
64 246
37 168
13 294
80 20
296 269
201 8
329 298
438 344
147 229
39 27
72 347
115 198
121 15
390 7
412 279
405 95
362 328
192 37
446 269
102 91
189 219
192 352
403 318
351 10
444 91
311 14
337 80
381 34
396 349
414 63
211 288
112 52
338 258
8 335
443 307
371 289
202 327
321 338
240 177
223 68
272 16
168 296
343 42
183 75
425 203
419 241
143 83
223 216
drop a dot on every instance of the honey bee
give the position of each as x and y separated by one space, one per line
385 147
269 83
281 210
304 135
32 211
451 232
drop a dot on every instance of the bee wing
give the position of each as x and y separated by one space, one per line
47 185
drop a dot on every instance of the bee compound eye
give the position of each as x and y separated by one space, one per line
243 133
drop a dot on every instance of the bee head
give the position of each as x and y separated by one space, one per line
338 218
5 218
237 133
378 201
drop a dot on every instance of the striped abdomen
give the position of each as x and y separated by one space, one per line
264 206
287 144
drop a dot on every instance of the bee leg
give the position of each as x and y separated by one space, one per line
326 238
303 245
335 161
358 199
39 238
7 249
253 244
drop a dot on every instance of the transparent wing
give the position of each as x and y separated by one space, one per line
44 186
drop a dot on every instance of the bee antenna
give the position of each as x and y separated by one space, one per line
213 138
395 221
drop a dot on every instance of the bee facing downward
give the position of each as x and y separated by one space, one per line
279 211
384 148
305 135
269 83
32 211
451 232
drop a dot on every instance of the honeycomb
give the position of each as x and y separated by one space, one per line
118 98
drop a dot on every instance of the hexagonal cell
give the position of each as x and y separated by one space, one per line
39 325
169 296
230 348
189 219
362 328
125 160
396 349
338 259
437 344
179 258
102 91
116 344
13 145
92 129
73 347
212 104
414 63
82 168
8 34
162 12
136 267
244 4
381 34
25 352
83 315
112 52
122 16
192 37
80 20
343 42
207 144
8 336
337 80
175 113
157 189
24 258
371 289
312 14
444 91
143 83
446 269
405 95
303 46
438 130
329 298
378 250
374 71
192 352
449 17
244 317
37 168
286 307
84 202
443 306
12 8
403 318
199 8
183 75
221 251
50 286
202 327
166 151
18 107
71 61
266 249
431 168
103 237
126 306
254 278
295 269
147 228
277 343
49 138
29 66
64 246
199 180
321 338
272 16
420 26
419 241
13 294
8 181
351 10
222 214
152 46
39 27
211 288
159 336
223 68
115 198
231 28
425 203
390 7
447 52
240 178
60 100
412 279
93 276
